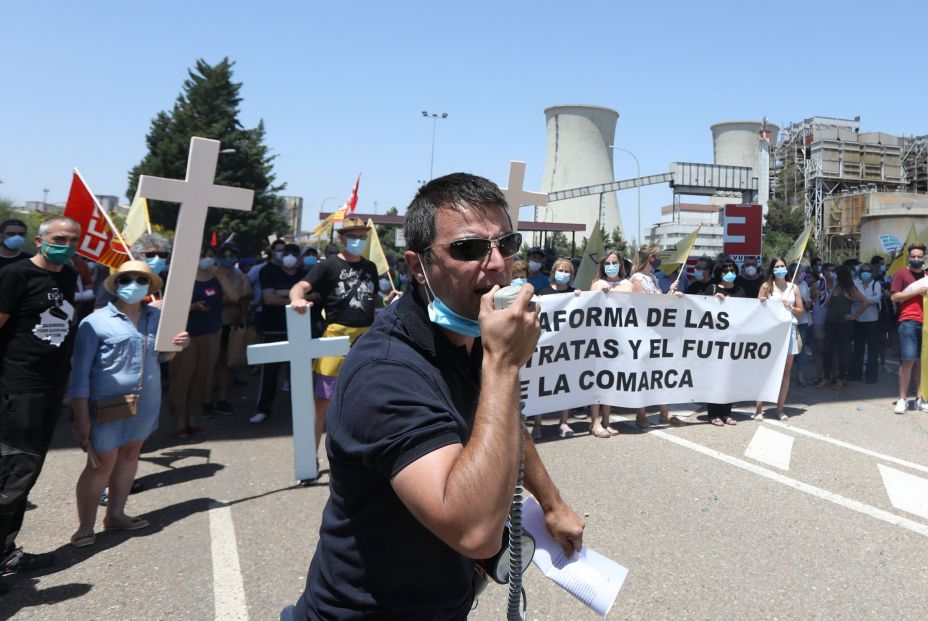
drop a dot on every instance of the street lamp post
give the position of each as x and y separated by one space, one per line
435 117
637 174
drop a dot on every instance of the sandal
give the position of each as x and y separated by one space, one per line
82 540
536 432
642 422
782 416
565 431
673 421
127 523
759 415
600 432
730 421
718 422
610 430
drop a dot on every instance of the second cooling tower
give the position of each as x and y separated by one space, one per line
580 154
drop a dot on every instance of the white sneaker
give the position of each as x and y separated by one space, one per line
901 406
260 417
921 405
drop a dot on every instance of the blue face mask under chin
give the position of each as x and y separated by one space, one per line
441 315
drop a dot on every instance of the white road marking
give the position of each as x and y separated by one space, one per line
812 490
851 447
228 590
906 492
770 447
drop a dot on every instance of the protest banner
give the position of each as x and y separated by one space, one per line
633 350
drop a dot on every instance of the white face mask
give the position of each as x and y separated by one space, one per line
289 261
750 271
534 266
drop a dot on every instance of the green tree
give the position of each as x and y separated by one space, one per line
208 106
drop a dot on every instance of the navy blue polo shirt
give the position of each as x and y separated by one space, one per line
403 391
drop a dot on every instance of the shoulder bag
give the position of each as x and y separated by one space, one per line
124 406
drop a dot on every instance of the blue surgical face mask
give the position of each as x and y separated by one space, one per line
206 263
517 282
534 266
228 261
611 270
310 260
729 276
698 274
561 278
779 272
441 315
866 276
15 242
279 255
157 264
132 292
356 246
657 264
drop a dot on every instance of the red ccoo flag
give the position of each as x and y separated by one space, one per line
349 205
100 241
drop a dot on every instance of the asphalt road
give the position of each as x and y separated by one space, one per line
826 517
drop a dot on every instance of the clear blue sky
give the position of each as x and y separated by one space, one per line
340 86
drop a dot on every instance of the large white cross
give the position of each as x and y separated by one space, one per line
196 194
516 196
300 349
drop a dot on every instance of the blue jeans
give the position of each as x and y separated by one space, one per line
910 340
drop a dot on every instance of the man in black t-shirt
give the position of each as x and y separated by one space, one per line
702 277
424 429
36 337
348 286
751 277
12 239
283 270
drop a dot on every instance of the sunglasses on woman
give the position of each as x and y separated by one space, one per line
725 270
153 254
126 279
476 248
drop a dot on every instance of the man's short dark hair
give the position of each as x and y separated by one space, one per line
455 191
917 246
876 259
292 249
12 222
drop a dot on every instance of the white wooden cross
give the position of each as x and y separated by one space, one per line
300 349
196 194
516 196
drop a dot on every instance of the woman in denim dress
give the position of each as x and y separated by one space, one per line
108 362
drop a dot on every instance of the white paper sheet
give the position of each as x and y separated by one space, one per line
589 576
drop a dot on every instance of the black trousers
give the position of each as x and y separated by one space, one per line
866 336
719 410
838 336
269 373
27 422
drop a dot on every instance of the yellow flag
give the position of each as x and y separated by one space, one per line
589 260
900 261
137 222
794 254
374 251
673 258
324 228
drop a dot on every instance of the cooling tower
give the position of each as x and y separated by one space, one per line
579 154
736 143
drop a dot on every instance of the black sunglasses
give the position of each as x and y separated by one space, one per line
126 279
152 255
725 270
476 248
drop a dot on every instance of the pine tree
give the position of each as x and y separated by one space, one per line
208 106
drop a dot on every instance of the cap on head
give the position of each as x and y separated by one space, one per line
353 223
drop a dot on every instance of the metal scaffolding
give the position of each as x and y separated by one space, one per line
821 158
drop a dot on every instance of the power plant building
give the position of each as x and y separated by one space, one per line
579 153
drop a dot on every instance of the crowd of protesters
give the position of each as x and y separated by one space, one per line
60 312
